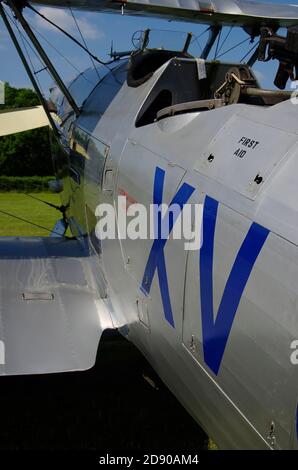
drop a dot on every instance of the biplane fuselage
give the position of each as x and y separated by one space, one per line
223 345
218 323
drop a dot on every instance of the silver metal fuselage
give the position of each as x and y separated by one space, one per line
250 402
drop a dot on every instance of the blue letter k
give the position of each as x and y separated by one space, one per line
156 260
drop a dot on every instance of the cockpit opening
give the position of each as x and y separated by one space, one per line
147 58
189 84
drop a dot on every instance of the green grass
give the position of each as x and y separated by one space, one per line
28 209
212 445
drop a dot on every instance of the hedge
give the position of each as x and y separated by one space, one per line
32 184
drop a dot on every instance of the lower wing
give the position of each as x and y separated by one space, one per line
19 120
51 317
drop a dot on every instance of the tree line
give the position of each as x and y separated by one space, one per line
26 153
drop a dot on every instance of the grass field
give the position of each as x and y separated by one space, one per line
25 207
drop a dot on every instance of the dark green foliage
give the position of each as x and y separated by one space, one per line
28 184
19 98
27 153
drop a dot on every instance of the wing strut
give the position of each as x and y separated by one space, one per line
18 13
213 35
28 70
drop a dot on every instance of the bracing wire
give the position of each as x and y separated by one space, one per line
196 38
60 53
250 51
233 48
106 64
83 39
9 214
225 39
3 185
217 44
24 41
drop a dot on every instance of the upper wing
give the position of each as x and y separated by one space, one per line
226 12
19 120
51 318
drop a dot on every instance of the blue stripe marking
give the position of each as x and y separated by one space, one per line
156 260
216 333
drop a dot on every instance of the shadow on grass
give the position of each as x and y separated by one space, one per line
110 407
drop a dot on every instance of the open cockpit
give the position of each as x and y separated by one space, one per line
189 84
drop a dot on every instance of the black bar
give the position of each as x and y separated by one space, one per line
213 34
187 42
146 39
253 58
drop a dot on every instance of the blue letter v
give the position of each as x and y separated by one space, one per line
216 332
